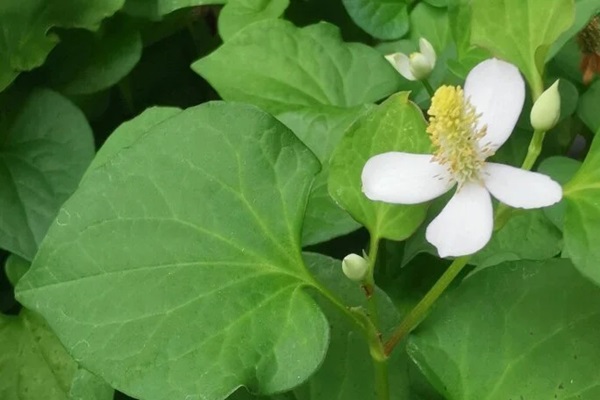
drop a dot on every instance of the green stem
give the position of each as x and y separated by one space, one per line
369 284
380 366
428 87
382 384
535 148
416 315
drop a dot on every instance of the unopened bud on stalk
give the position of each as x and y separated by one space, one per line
546 110
355 267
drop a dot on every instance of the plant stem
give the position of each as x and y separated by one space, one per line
535 148
369 284
428 87
416 315
382 384
380 365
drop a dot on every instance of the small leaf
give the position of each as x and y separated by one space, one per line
86 62
537 320
44 153
562 170
237 14
582 216
280 68
380 18
26 26
15 268
521 31
395 125
175 269
33 363
587 109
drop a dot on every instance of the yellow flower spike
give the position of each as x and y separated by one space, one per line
454 134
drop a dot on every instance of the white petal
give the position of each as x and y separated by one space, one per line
401 62
497 91
404 178
519 188
465 225
428 51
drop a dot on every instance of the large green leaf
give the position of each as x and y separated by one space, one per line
281 68
87 62
175 269
582 216
521 31
383 19
130 132
237 14
33 363
44 153
395 125
347 372
522 330
26 26
156 9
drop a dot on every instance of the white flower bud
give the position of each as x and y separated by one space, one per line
355 267
418 65
546 110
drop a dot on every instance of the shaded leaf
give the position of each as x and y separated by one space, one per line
380 18
33 363
26 29
44 153
87 62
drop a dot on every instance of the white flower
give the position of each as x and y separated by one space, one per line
465 128
418 65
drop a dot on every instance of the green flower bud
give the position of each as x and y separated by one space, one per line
355 267
546 110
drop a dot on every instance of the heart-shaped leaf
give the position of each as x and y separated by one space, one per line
395 125
175 269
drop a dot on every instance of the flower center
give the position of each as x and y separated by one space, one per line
454 134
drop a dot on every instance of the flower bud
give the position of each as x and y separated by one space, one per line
355 267
418 65
546 110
